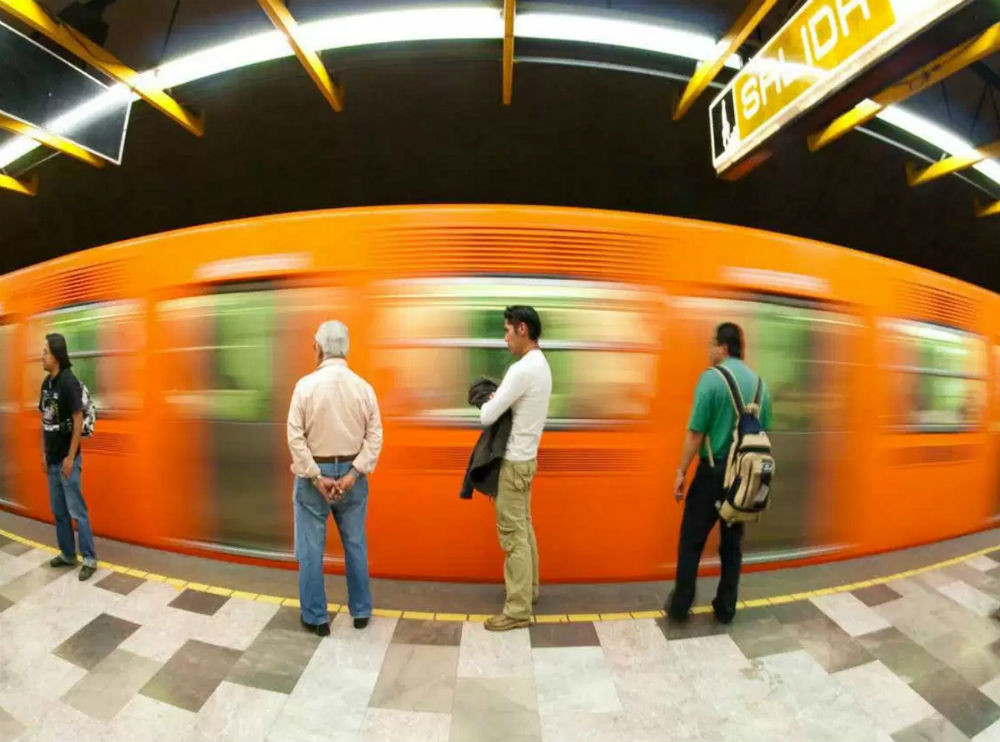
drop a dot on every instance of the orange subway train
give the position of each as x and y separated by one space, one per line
885 380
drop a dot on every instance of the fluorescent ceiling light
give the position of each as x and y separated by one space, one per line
112 98
231 55
930 132
444 23
15 149
937 136
393 26
607 29
417 24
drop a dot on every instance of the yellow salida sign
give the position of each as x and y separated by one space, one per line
817 41
819 50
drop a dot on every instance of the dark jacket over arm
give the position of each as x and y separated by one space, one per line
483 471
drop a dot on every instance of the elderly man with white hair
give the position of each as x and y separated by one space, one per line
334 435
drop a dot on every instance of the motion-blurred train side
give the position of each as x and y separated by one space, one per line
885 379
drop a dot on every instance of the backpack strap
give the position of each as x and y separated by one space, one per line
755 407
735 397
734 390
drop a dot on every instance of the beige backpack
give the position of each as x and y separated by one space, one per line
749 464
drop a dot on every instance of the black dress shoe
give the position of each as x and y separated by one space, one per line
322 629
674 615
360 623
58 561
86 571
725 618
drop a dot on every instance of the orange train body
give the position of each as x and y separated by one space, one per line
885 379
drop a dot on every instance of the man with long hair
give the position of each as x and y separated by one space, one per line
61 405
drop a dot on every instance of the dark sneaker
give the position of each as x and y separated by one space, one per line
360 623
322 629
86 572
60 561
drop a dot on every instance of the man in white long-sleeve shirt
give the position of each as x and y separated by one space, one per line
525 390
334 436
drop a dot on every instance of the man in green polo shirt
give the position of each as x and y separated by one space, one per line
711 425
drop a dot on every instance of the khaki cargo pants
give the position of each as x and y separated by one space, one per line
517 536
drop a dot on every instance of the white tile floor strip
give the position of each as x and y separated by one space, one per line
965 595
389 725
982 563
236 712
574 679
494 654
851 614
885 696
430 683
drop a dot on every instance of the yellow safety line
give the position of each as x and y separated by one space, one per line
180 584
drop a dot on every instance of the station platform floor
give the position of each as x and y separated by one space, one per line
157 646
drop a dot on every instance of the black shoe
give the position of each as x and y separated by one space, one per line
86 572
58 561
674 615
723 618
360 623
322 629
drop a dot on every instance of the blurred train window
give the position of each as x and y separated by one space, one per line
105 344
229 339
806 353
9 493
438 335
797 348
996 377
938 377
8 397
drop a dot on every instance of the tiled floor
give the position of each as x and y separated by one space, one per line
120 657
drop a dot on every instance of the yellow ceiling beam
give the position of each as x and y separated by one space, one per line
949 165
930 74
27 187
987 209
285 22
508 50
707 69
49 140
34 15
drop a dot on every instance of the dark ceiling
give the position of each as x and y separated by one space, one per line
420 128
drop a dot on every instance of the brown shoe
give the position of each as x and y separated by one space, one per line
503 622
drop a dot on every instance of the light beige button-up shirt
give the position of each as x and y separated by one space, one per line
333 413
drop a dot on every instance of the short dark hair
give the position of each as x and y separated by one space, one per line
58 349
731 336
527 315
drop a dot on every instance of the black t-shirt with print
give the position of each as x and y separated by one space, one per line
60 398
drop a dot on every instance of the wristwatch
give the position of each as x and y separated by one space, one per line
315 481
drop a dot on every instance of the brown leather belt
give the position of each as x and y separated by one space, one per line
335 459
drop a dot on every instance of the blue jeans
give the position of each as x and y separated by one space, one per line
66 499
311 512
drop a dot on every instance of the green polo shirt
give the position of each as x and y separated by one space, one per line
713 413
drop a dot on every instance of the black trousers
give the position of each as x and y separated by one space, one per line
700 516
